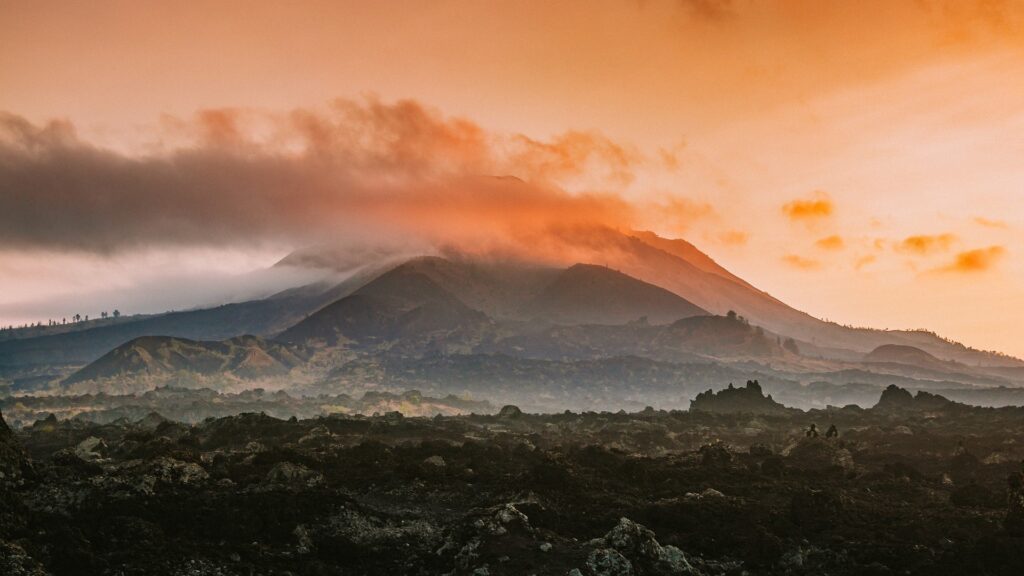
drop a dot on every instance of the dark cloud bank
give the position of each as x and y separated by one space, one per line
310 175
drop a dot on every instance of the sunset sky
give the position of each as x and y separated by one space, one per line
861 161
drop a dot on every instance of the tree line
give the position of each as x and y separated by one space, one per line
77 318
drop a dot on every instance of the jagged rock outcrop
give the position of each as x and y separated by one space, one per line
630 548
91 449
15 467
749 399
896 399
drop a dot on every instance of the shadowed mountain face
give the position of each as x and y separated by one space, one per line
502 290
588 294
402 305
245 357
354 318
432 296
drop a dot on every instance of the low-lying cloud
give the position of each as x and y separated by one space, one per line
237 177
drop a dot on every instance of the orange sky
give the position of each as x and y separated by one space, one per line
858 160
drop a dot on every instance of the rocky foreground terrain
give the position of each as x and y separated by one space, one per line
916 485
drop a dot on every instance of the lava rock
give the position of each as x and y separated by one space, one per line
509 412
291 476
14 561
15 466
639 547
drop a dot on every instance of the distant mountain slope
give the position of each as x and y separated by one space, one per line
901 354
689 253
501 290
680 267
402 305
244 357
589 294
905 360
505 290
717 336
261 317
355 318
458 304
692 339
582 293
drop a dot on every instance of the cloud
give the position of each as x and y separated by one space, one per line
239 177
801 263
709 10
991 223
923 245
834 242
734 238
679 214
973 261
864 261
817 207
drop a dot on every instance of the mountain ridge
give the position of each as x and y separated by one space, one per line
246 357
445 304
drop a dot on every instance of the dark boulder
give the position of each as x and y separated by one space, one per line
509 411
15 466
630 548
895 399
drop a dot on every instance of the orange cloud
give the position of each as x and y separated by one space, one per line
398 168
991 223
734 238
820 206
978 260
709 10
924 244
678 214
834 242
864 261
573 154
801 263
